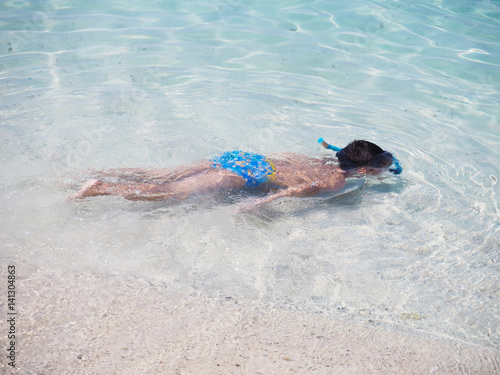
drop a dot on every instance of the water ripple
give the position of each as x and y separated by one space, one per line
116 84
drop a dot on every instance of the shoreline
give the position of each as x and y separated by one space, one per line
88 324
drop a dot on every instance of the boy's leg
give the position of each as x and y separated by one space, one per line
208 181
95 187
157 176
204 182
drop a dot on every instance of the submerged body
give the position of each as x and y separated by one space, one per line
282 175
288 175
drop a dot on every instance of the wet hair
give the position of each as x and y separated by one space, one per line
360 153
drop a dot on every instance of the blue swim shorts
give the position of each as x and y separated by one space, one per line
254 168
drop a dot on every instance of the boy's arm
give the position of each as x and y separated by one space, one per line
295 191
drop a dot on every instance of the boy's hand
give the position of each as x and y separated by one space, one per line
296 191
249 205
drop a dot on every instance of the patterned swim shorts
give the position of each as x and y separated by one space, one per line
254 168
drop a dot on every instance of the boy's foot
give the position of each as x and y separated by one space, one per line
90 188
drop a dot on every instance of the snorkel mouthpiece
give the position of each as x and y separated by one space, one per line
394 168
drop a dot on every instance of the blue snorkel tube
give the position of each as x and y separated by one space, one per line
327 145
395 167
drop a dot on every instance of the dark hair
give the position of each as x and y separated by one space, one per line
360 153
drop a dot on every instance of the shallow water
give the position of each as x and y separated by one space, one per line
162 84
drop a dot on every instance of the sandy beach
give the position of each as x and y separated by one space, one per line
83 323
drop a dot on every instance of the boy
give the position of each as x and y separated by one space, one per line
287 175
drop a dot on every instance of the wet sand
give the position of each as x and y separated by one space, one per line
82 323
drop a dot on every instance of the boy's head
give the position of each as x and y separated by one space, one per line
363 154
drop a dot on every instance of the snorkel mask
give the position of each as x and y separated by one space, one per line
378 161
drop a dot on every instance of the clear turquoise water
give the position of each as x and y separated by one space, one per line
117 84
